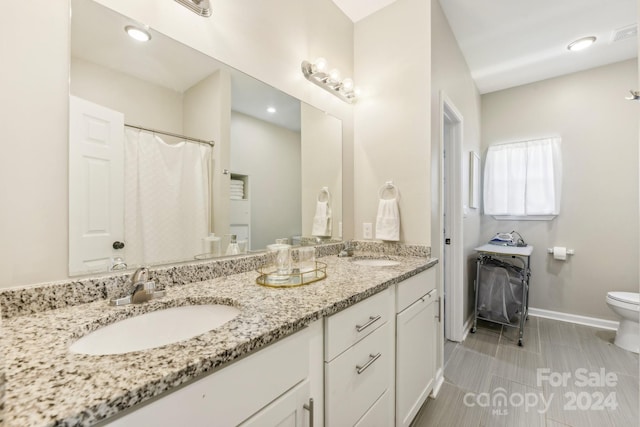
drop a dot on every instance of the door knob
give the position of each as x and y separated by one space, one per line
118 245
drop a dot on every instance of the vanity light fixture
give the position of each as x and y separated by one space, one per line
582 43
137 33
635 95
317 74
199 7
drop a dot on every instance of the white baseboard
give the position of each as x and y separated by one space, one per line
467 327
438 383
574 318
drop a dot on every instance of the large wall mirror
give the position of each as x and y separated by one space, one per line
172 152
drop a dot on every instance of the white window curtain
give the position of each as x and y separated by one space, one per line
522 180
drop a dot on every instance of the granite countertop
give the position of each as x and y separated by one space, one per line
47 385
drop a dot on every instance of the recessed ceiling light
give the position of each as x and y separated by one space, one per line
582 43
271 110
136 33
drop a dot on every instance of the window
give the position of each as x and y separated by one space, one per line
522 180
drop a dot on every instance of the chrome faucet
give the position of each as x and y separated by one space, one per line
347 250
142 289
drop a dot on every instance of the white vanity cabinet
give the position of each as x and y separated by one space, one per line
359 363
271 387
416 343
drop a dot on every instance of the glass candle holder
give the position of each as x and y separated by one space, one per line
282 257
306 259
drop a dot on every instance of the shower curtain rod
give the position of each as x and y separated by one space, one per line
201 141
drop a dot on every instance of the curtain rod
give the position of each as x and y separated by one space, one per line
201 141
525 140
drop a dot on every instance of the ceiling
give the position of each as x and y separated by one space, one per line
509 43
506 43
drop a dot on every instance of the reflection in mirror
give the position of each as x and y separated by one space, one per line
265 163
163 195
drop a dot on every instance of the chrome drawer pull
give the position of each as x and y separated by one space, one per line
372 320
309 408
373 358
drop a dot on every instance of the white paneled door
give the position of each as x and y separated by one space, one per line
96 190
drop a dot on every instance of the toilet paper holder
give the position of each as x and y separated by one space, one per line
569 251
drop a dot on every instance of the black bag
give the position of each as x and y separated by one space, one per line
500 291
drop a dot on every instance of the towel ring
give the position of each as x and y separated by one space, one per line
324 191
389 186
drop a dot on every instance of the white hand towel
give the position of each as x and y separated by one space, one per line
388 220
322 220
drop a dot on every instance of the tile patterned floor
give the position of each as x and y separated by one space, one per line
565 375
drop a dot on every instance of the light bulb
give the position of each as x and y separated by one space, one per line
334 75
582 43
320 64
271 110
137 33
347 85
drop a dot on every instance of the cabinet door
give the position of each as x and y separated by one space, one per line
233 394
286 411
415 357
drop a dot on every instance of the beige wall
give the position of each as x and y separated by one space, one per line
599 209
255 37
392 118
34 85
450 75
142 103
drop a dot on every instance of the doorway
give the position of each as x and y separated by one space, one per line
451 214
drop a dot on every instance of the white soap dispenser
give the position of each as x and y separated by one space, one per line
233 248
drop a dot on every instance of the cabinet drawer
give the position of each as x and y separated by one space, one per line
358 377
380 414
349 326
414 287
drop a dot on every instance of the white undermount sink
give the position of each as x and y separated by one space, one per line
375 262
154 329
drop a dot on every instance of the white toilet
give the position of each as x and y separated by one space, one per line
627 306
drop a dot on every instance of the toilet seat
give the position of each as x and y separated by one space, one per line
626 297
626 300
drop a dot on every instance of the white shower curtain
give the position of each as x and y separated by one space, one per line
166 198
